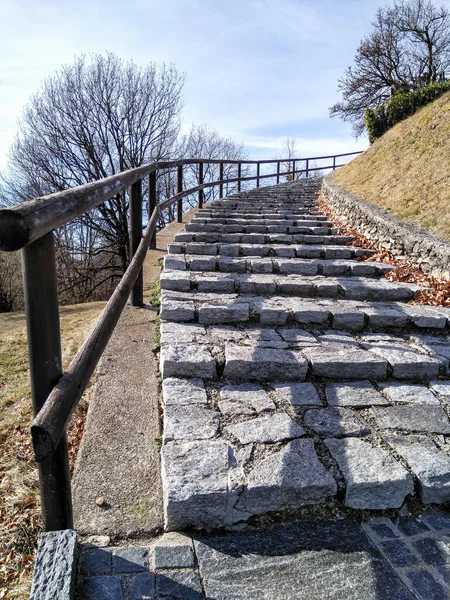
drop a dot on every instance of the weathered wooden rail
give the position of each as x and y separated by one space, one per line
29 227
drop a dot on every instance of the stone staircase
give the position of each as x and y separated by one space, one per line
294 374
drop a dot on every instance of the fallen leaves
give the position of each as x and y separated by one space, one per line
436 292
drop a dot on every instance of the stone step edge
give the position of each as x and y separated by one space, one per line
340 315
274 265
191 245
350 288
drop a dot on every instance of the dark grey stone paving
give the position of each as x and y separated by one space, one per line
299 562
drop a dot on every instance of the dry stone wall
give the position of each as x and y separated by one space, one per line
385 231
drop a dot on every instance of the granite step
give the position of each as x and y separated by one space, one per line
321 441
229 352
350 288
281 265
210 308
260 213
324 251
258 239
198 226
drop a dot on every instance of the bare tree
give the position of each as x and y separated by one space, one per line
94 118
409 47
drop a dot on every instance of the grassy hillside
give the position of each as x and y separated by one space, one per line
407 171
19 496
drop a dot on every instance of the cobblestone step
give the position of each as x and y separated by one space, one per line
243 228
229 352
254 239
279 310
257 214
350 288
320 439
281 265
311 251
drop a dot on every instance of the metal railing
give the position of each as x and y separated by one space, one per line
29 227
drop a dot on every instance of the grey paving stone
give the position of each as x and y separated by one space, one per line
338 338
297 266
182 333
261 265
181 392
185 361
144 587
352 320
264 363
195 484
381 317
298 337
190 422
441 387
381 530
335 422
256 284
229 250
212 313
179 586
102 587
440 521
95 561
301 562
425 586
55 566
245 399
432 551
429 464
398 553
195 248
175 280
418 417
203 263
172 310
175 261
213 283
310 312
274 428
227 264
374 480
407 364
173 557
381 290
130 560
290 478
336 362
414 394
297 394
357 394
295 286
410 526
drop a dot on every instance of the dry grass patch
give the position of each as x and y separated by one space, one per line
407 171
19 492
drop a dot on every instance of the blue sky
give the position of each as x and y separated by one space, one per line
256 70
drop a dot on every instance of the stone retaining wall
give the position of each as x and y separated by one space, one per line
385 231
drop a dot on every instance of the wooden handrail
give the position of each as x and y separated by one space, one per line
31 220
29 226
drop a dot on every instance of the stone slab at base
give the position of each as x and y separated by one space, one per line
54 570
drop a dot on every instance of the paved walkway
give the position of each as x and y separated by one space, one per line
386 559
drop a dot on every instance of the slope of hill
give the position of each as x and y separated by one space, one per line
407 171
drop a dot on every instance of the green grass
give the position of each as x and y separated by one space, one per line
406 171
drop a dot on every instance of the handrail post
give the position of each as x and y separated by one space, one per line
179 190
137 294
44 349
293 170
200 182
239 176
152 203
278 172
221 180
307 167
257 175
334 163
